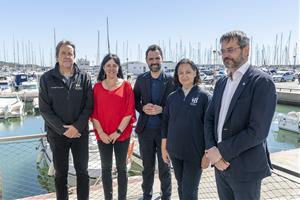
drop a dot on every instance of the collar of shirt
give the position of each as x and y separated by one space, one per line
239 72
186 91
159 78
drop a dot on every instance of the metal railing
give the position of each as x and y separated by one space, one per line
24 174
287 89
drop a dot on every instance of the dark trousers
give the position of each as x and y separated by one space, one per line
188 176
150 144
229 189
106 155
60 147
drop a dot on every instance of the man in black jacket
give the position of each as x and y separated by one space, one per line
151 90
66 102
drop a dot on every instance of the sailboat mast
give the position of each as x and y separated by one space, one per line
14 49
280 50
287 61
107 32
18 52
275 51
54 41
4 51
295 54
98 50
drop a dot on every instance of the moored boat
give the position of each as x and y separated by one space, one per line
290 121
10 107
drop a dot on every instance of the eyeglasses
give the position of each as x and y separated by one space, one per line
229 50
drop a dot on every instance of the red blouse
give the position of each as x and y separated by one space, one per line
110 107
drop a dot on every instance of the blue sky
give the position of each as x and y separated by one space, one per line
142 23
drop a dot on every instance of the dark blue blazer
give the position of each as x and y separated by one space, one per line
142 95
246 125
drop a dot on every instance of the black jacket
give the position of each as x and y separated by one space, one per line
183 124
142 95
62 105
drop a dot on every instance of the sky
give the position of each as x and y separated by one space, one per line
195 25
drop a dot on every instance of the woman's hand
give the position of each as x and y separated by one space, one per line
104 138
165 156
113 137
164 153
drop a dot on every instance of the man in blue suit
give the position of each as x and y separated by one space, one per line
237 122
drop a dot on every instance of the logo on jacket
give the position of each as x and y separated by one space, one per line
78 87
194 101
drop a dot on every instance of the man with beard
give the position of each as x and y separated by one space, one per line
151 90
237 122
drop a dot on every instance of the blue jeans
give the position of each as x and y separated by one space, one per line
106 155
188 176
60 147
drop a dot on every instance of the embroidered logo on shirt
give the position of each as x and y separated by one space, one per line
78 87
194 101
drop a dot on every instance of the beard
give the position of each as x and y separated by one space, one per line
232 63
155 67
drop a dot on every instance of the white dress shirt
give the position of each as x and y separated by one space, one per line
229 90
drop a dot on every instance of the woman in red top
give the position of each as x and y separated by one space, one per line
112 117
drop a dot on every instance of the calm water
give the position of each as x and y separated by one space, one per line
33 124
16 183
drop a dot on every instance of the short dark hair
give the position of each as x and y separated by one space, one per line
64 42
102 75
154 47
242 38
194 67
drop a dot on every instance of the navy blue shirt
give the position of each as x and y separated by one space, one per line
156 83
183 124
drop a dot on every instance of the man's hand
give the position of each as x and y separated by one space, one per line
204 162
71 132
213 154
148 108
222 165
151 109
113 137
157 109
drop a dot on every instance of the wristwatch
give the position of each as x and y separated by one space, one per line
119 131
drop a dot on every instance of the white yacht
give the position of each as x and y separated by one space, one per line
28 90
10 106
290 121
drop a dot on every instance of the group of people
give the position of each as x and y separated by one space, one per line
179 123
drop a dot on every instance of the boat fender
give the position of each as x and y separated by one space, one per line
51 170
39 157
